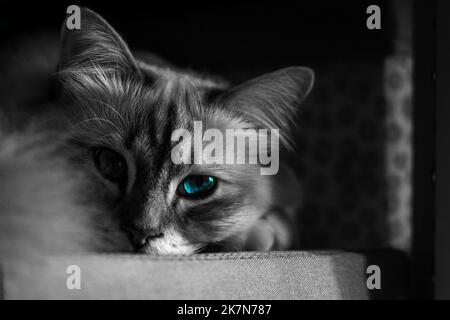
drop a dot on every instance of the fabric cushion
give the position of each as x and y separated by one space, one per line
275 275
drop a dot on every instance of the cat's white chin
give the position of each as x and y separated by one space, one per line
166 250
172 243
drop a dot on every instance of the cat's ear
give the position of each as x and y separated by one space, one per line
272 100
95 43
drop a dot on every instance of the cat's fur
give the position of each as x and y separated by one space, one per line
53 200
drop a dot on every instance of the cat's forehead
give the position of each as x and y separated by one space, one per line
174 100
171 103
141 116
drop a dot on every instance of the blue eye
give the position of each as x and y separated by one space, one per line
197 186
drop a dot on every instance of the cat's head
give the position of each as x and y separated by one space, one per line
124 112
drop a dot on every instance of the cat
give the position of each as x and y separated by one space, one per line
91 171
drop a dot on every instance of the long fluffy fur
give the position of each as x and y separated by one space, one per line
41 211
55 202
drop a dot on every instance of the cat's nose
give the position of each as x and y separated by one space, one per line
141 236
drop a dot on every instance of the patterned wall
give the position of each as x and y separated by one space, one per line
354 145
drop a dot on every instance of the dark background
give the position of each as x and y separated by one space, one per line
222 37
442 239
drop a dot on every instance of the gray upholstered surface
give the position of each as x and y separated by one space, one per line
276 275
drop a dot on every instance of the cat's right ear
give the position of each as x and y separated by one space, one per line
94 44
271 101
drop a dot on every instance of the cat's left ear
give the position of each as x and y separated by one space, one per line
272 100
95 43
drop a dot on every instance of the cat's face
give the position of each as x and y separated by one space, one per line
123 113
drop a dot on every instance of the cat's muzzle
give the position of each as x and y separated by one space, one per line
140 237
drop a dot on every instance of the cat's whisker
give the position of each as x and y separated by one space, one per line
200 248
121 118
100 120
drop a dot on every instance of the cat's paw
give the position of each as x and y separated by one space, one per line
271 232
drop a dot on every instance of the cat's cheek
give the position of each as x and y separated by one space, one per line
112 189
104 191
